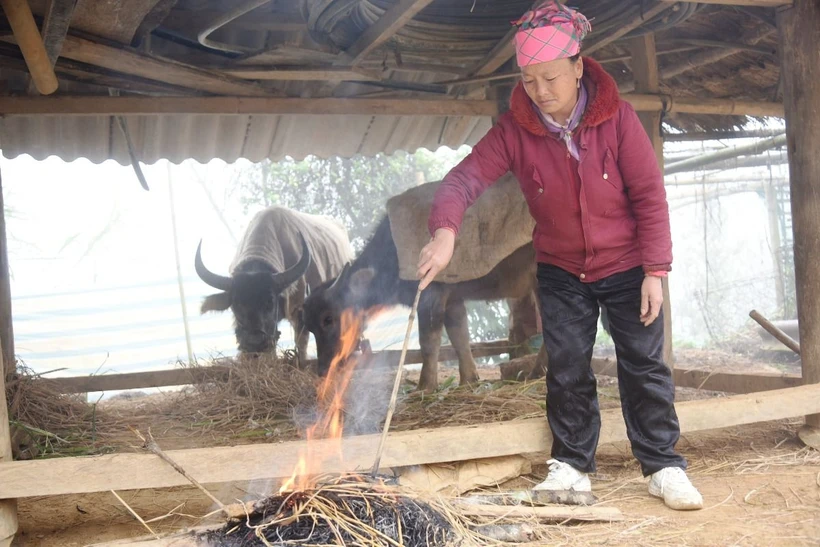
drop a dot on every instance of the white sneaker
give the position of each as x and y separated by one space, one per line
672 484
563 476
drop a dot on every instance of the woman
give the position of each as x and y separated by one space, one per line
590 176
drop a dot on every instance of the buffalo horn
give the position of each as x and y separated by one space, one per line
284 279
216 281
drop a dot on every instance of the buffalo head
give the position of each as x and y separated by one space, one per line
323 309
254 293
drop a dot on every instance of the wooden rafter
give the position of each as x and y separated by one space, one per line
128 61
27 36
382 30
96 106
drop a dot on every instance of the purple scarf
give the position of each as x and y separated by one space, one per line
564 132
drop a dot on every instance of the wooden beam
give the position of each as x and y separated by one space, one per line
31 45
647 80
110 106
382 30
754 3
728 382
752 149
128 61
495 59
799 33
304 74
195 375
125 471
8 508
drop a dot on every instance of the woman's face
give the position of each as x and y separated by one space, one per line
553 86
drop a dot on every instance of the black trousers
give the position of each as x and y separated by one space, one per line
569 316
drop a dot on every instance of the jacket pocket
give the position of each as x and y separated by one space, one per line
533 186
610 172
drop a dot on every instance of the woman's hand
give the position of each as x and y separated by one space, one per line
435 256
651 299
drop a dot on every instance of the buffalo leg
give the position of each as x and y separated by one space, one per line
431 322
455 320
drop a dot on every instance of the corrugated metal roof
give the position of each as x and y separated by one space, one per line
205 137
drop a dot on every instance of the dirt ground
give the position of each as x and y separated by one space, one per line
761 486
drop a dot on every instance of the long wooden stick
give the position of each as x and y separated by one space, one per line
152 446
396 385
787 340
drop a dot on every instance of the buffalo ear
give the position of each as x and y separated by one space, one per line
216 302
360 281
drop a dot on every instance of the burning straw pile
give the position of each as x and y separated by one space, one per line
342 512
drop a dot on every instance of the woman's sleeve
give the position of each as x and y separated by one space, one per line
461 187
644 184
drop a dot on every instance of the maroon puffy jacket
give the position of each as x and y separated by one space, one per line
594 218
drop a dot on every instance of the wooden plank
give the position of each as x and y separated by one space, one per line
799 36
27 37
728 382
128 61
382 30
271 461
96 106
8 507
753 3
647 80
305 74
195 375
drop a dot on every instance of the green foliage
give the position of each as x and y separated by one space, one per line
354 191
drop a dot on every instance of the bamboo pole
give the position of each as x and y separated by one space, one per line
180 283
706 159
31 45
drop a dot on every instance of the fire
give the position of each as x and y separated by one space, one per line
330 399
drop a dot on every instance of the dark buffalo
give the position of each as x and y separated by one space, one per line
372 281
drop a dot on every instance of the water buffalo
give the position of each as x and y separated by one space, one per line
372 280
282 256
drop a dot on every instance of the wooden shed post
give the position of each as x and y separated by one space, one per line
799 35
647 80
8 508
6 328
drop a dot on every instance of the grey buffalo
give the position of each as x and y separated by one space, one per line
283 255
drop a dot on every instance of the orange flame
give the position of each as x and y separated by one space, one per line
330 398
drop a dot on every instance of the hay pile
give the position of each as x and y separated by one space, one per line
45 422
260 391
